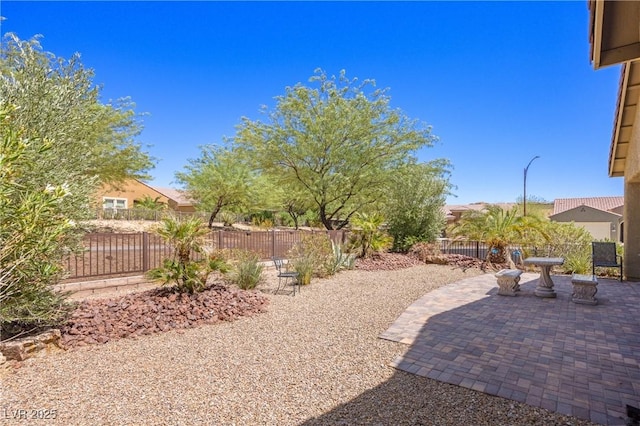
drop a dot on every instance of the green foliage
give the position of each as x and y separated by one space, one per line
340 260
217 180
75 140
332 143
416 215
34 237
498 228
186 236
368 237
227 218
247 272
149 203
311 257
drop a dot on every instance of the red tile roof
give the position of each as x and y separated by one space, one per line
601 203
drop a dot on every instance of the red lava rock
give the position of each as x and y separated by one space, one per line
153 311
387 262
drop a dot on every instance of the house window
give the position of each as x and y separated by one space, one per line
114 203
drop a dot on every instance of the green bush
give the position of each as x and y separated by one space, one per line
186 236
247 272
367 237
34 237
311 257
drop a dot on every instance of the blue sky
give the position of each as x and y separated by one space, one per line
500 82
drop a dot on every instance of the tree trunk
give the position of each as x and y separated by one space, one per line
214 213
324 219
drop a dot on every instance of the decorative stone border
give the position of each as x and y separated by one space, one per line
27 347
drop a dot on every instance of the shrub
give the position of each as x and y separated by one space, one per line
186 236
426 252
368 238
311 256
340 259
227 218
34 237
247 271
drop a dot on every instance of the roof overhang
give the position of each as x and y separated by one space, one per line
614 32
614 35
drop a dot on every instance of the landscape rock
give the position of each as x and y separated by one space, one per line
158 310
27 347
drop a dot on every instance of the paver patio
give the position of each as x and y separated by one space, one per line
574 359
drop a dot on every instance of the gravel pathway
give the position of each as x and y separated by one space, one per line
312 359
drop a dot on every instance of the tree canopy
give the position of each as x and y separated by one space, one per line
335 141
55 105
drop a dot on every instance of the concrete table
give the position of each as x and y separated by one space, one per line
545 284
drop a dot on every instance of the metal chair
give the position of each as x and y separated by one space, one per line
604 255
286 275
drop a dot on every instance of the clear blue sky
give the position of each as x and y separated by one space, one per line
500 82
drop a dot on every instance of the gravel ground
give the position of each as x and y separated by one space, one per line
310 359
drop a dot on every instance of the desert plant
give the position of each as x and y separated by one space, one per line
311 256
340 260
498 228
34 237
227 218
247 270
368 237
186 237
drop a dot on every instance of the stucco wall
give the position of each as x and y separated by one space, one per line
130 190
587 217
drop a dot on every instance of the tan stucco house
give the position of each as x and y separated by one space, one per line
614 37
601 216
126 194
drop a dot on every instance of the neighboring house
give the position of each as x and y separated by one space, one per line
601 216
125 196
614 39
453 212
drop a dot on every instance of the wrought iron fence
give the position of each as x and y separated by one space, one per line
115 254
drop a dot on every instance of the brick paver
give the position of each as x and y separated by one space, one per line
574 359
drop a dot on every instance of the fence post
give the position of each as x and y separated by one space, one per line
145 251
273 243
477 249
220 239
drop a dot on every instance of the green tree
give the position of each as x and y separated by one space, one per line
58 105
414 204
34 236
218 180
334 142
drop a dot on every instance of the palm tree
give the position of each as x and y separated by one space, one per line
149 203
186 237
497 228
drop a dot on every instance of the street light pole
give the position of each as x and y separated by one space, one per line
524 200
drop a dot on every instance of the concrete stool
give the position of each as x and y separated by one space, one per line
508 280
585 288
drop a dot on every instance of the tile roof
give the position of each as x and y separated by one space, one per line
176 195
601 203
